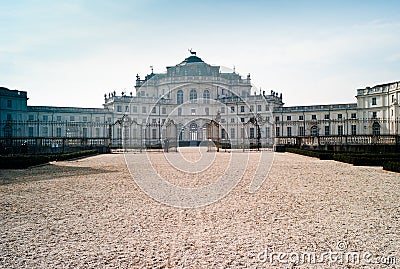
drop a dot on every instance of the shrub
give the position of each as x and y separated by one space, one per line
393 166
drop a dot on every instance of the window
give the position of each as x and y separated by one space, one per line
59 118
289 131
353 115
58 132
223 136
207 111
267 132
353 129
327 130
374 101
340 130
85 132
119 108
223 120
45 118
232 133
266 107
251 132
179 97
134 109
376 128
30 131
97 119
97 132
153 121
126 108
251 108
84 118
154 110
164 110
193 96
223 109
232 120
301 117
242 119
9 103
30 117
206 96
193 111
232 109
153 133
9 117
179 111
313 117
374 115
277 131
242 109
277 119
302 131
258 107
392 98
109 119
71 118
326 116
45 131
339 116
144 110
267 118
288 118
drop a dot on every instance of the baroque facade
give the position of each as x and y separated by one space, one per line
191 95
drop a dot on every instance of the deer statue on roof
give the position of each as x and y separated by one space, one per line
192 52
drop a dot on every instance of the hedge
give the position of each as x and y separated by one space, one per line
322 155
25 161
393 166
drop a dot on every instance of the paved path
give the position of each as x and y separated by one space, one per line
90 213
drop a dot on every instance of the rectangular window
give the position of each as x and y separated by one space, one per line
45 131
251 108
154 121
353 115
277 119
179 111
302 131
392 98
242 119
97 119
374 101
154 133
126 108
154 110
193 111
267 118
58 118
58 132
144 110
251 132
71 118
267 132
326 116
97 132
9 103
288 118
85 132
30 131
223 136
223 120
9 117
223 109
30 117
232 133
84 118
327 130
232 109
266 107
340 130
45 118
134 109
301 117
232 120
119 109
109 119
353 129
374 115
258 107
277 131
242 109
207 110
289 131
339 116
313 117
164 110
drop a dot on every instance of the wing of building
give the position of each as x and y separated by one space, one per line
190 96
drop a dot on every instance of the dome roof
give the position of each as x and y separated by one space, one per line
192 59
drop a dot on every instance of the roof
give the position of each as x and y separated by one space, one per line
191 59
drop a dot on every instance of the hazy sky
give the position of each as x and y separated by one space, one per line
69 53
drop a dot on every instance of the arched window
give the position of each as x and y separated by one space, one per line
179 97
314 130
376 128
193 96
206 96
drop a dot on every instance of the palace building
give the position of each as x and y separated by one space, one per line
190 96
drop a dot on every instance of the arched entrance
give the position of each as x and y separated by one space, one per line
193 132
376 128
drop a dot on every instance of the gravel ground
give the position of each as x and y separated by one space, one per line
89 213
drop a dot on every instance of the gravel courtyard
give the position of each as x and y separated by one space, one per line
90 213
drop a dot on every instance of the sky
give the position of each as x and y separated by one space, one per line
70 53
